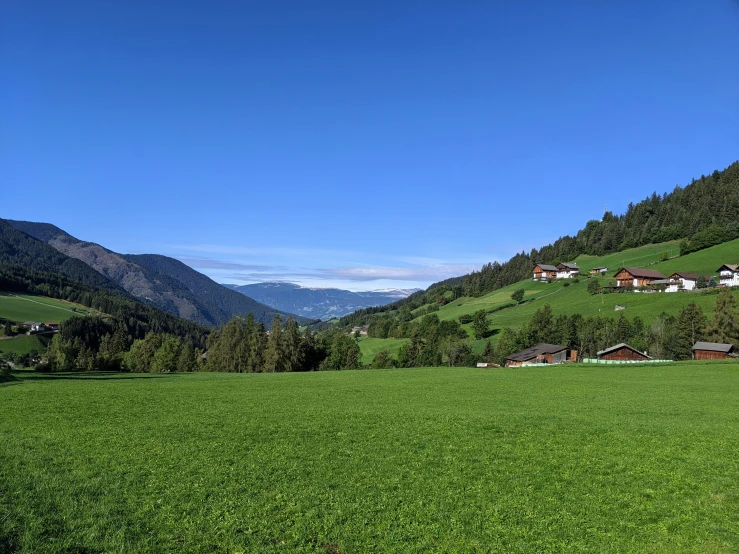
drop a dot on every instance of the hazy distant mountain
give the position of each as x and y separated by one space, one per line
318 303
160 281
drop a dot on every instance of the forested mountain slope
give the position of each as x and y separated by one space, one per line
216 298
206 303
17 247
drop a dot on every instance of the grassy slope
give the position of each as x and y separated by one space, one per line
443 460
704 261
25 307
575 298
369 347
25 344
634 257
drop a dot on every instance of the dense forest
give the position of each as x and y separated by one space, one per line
702 214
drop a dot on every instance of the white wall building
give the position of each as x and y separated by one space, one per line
729 275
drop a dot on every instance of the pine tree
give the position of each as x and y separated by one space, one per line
488 355
291 345
691 328
273 354
724 326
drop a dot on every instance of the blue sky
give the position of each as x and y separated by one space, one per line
360 144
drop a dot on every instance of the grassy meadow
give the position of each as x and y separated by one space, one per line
565 459
25 344
369 347
26 307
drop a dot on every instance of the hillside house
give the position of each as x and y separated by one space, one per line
729 275
598 271
541 354
543 272
567 271
684 281
636 277
714 351
622 352
53 326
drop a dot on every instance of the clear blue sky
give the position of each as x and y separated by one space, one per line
362 144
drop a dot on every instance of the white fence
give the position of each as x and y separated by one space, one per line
597 361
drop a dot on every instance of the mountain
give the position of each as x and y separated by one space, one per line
318 303
17 247
163 282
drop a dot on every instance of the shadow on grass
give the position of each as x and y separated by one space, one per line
92 376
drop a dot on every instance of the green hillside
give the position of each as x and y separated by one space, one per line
24 344
634 257
369 347
567 297
26 307
704 261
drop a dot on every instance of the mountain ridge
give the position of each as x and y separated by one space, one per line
148 278
315 302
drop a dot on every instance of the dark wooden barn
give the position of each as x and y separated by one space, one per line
622 352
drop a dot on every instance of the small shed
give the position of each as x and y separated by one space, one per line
622 352
714 351
598 270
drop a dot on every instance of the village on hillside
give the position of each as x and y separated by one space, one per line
628 279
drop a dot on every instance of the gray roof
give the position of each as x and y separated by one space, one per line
534 351
568 266
546 267
713 346
618 347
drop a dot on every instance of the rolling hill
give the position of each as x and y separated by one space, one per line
316 302
160 281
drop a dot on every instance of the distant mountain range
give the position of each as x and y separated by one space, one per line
318 303
157 280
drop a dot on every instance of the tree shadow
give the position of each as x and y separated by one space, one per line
93 376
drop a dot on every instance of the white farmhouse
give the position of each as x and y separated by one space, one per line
684 281
729 275
567 271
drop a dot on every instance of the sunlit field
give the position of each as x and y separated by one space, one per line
565 459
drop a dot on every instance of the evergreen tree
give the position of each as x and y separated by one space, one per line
724 326
274 360
691 328
291 345
488 355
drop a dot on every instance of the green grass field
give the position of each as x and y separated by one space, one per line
25 344
634 257
704 261
566 459
369 347
25 307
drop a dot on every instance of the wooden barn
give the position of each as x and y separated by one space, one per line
714 351
637 277
541 354
543 272
622 352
